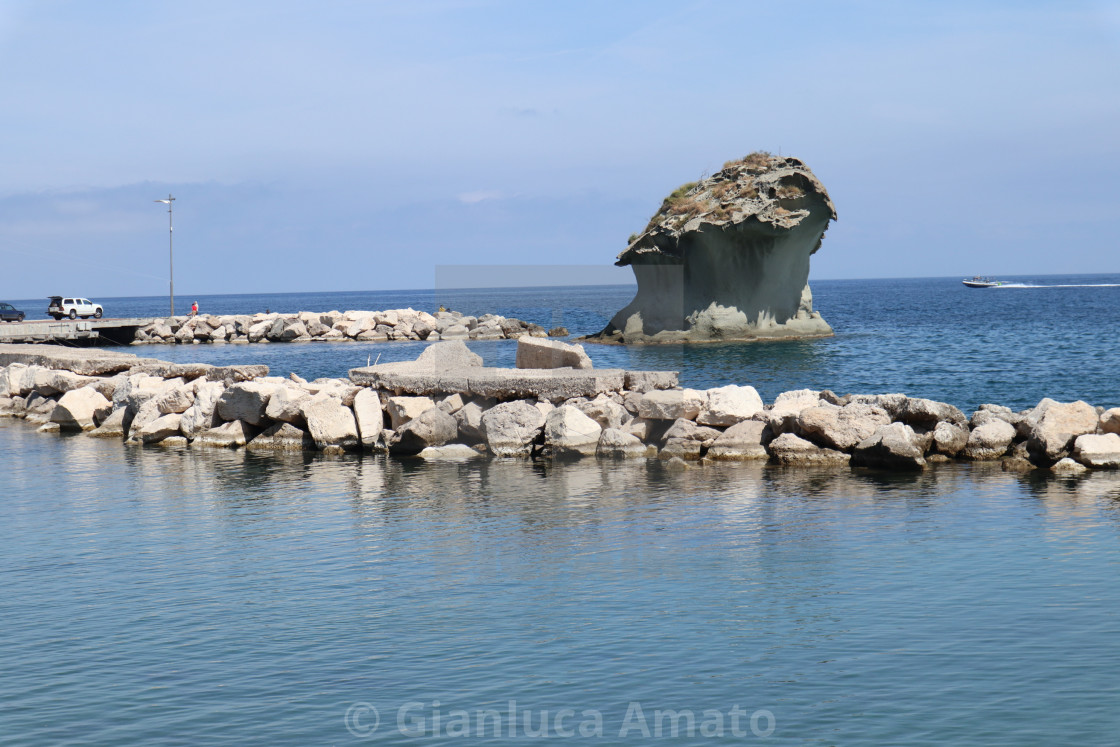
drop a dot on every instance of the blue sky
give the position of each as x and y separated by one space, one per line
363 145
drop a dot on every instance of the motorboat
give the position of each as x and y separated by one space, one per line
982 282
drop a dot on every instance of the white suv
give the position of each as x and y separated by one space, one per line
73 308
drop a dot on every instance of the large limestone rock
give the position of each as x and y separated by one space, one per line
990 440
1098 450
449 452
671 404
50 382
784 415
510 428
790 449
282 436
728 258
446 355
81 410
893 446
111 427
403 409
841 428
1051 427
431 428
176 400
286 404
1109 421
727 405
199 416
533 352
571 433
988 413
227 435
745 440
605 411
616 444
469 420
246 401
331 423
369 416
927 413
950 439
160 428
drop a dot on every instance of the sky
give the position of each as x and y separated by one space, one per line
370 145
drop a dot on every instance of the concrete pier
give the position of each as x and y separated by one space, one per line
76 331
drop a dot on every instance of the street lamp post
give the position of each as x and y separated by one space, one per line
170 247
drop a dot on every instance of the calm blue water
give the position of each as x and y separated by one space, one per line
152 596
924 337
171 597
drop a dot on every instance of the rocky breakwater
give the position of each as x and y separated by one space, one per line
446 404
311 326
727 258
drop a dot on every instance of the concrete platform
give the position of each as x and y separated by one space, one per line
552 384
85 361
119 331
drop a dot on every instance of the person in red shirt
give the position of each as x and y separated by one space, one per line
194 308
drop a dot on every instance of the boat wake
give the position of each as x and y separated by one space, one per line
1059 285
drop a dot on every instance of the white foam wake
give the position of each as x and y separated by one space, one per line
1059 285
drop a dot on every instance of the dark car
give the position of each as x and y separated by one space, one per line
10 313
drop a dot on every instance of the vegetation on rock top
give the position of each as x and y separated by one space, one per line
759 185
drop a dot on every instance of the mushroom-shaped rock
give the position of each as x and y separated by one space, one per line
571 433
81 410
728 257
510 428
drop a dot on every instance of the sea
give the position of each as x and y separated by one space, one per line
171 596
